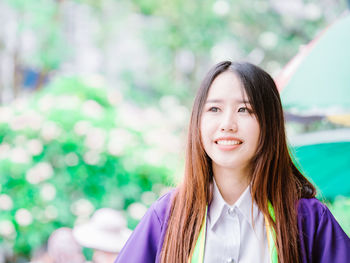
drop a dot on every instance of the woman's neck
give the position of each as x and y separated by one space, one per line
231 183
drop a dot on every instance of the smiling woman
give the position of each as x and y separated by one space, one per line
229 132
241 191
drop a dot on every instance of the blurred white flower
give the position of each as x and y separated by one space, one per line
160 189
50 131
95 81
274 67
261 6
4 150
268 40
6 202
18 123
221 7
20 140
95 138
131 116
168 102
185 61
92 109
6 228
23 217
6 114
82 207
35 120
35 147
40 172
67 102
137 210
157 138
114 147
51 212
312 11
82 127
46 102
148 197
289 8
153 116
154 156
91 157
48 192
165 190
20 104
132 161
19 155
114 97
71 159
119 139
225 50
29 119
178 117
256 56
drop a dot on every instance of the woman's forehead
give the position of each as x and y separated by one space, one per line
227 86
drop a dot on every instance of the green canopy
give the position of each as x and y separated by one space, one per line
317 80
328 166
325 161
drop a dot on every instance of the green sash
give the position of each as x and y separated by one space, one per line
198 253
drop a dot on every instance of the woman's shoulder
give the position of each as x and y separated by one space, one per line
312 211
321 237
311 206
161 207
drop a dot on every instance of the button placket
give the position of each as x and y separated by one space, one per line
235 227
231 211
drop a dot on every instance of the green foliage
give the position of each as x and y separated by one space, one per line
61 158
240 28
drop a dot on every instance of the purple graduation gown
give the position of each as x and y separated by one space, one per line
321 237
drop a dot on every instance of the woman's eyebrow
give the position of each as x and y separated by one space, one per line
220 101
213 101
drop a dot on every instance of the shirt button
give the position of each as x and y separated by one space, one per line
230 260
230 212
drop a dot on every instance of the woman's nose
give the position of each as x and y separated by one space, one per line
229 122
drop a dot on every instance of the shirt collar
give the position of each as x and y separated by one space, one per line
243 204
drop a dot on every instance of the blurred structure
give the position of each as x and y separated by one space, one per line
316 82
6 254
106 233
41 255
63 248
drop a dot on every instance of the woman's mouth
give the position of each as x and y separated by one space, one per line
228 144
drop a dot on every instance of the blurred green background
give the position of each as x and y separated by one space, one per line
96 95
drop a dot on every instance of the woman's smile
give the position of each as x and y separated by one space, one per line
228 143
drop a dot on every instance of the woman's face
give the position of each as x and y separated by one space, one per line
229 128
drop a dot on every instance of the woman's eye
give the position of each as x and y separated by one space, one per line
243 109
214 109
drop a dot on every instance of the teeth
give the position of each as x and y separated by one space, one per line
228 142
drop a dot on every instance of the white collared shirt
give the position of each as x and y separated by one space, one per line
230 235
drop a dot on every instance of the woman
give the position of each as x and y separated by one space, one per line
242 198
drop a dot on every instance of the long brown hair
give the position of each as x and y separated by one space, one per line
275 178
